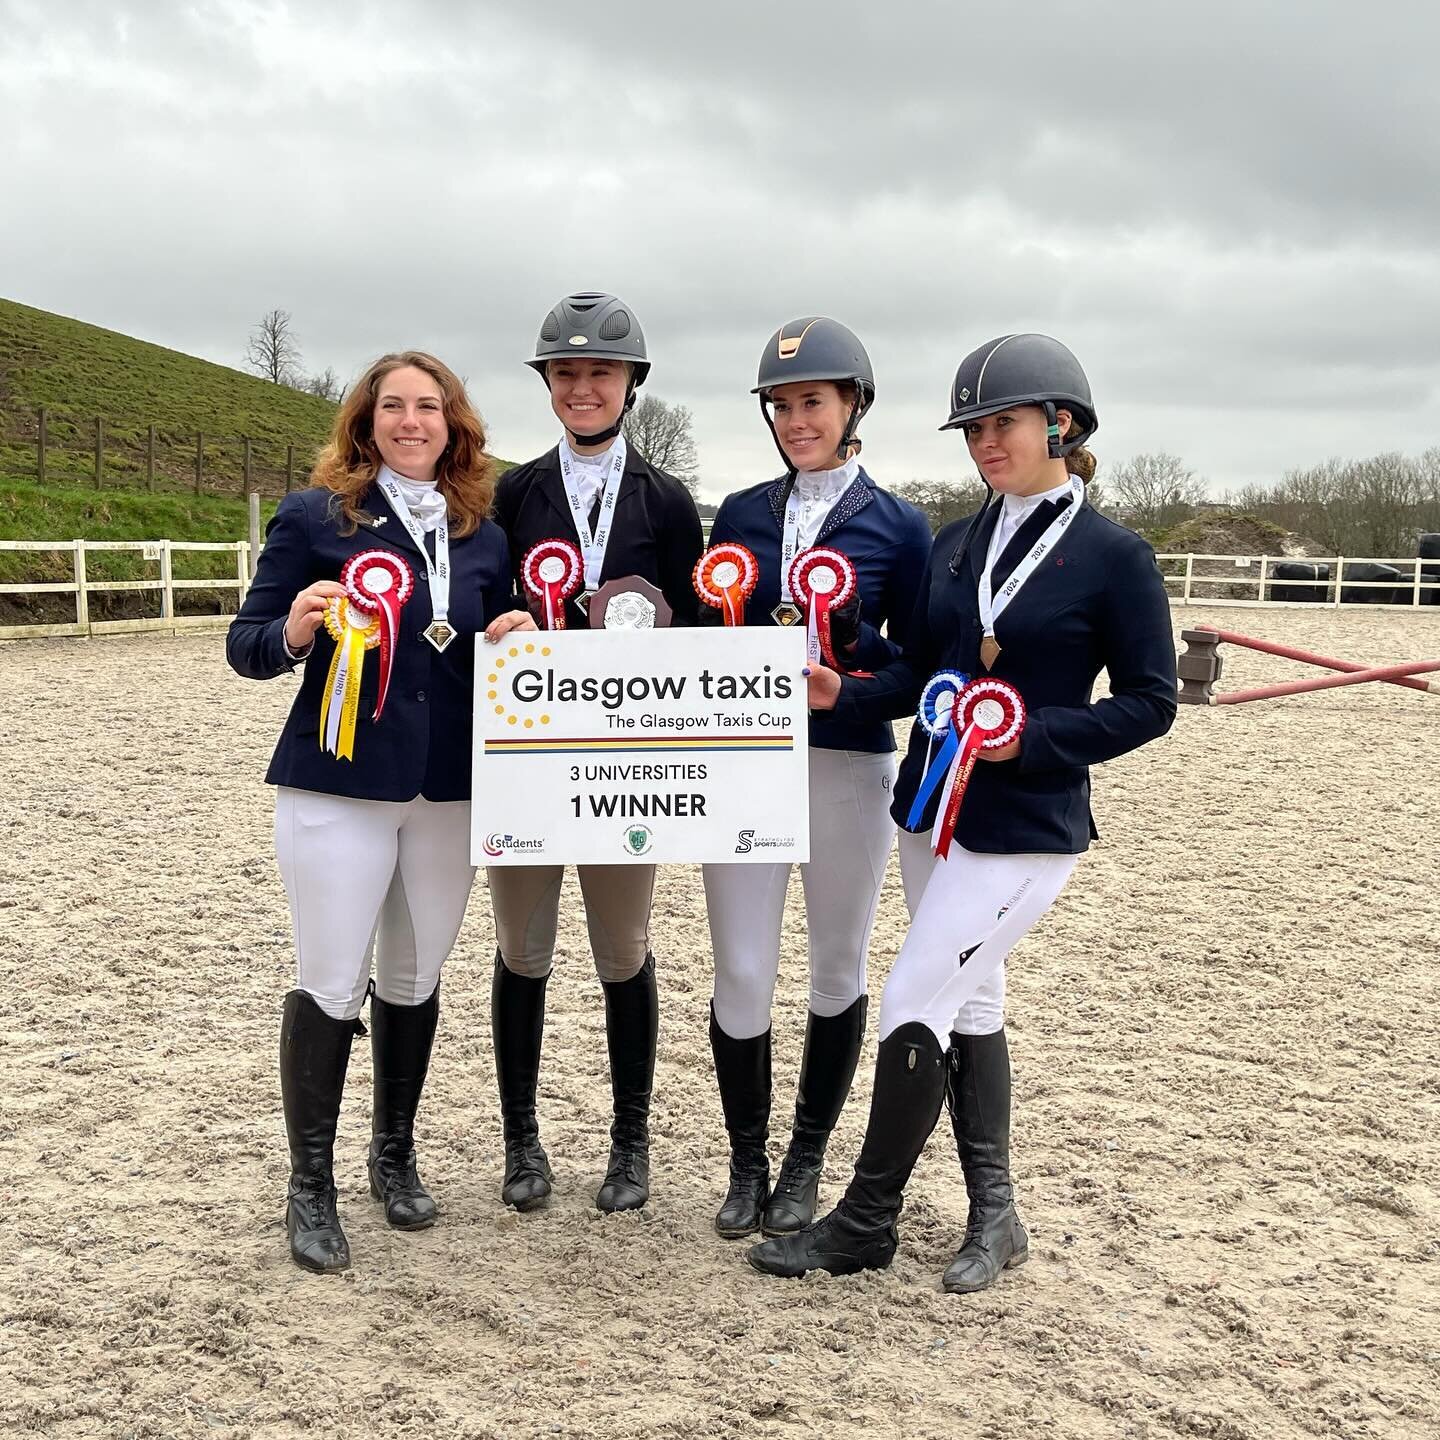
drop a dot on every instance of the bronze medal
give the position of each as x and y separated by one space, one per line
785 613
989 652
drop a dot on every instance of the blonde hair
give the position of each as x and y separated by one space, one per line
350 461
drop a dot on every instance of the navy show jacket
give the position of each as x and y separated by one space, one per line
656 531
885 537
1096 602
421 745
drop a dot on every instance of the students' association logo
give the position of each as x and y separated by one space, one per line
639 839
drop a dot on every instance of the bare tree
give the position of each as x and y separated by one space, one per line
1153 491
273 351
662 434
326 385
942 501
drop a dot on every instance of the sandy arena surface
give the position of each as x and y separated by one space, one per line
1227 1049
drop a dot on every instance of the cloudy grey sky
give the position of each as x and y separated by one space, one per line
1229 211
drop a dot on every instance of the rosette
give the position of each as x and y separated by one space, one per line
378 583
821 579
354 632
551 573
725 577
983 715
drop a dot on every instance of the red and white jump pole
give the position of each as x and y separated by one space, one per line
1200 665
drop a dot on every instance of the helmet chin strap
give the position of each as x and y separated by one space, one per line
957 559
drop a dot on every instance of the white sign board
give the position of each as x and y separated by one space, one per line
600 747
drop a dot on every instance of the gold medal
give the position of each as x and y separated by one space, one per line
989 652
785 613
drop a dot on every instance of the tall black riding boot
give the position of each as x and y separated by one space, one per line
632 1024
517 1024
978 1091
314 1054
742 1070
400 1041
859 1233
832 1049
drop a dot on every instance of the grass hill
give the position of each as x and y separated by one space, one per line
78 372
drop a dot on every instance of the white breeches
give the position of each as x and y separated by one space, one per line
966 917
392 877
850 834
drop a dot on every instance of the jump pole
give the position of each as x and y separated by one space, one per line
1308 657
1327 682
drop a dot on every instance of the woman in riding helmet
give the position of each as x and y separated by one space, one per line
815 384
626 518
1041 592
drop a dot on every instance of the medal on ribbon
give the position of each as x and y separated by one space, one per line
986 715
821 579
551 573
725 577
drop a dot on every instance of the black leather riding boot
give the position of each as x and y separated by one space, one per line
632 1025
978 1092
742 1071
400 1040
832 1050
859 1233
517 1024
314 1054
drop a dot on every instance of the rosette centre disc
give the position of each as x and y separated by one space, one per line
823 580
989 715
552 569
377 580
726 574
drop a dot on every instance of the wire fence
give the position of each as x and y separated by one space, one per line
64 447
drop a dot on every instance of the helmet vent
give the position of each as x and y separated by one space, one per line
550 330
615 326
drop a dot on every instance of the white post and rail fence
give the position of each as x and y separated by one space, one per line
1208 580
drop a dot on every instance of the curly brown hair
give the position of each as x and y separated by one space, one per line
350 461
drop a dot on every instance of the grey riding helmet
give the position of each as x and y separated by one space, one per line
816 348
595 326
1025 370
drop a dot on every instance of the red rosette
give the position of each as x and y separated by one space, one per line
821 579
988 715
551 573
379 582
725 577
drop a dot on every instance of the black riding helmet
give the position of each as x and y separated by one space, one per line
1021 370
1025 370
593 325
816 348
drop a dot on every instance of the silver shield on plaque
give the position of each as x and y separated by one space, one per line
629 610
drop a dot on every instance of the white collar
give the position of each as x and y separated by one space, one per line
1025 504
827 484
593 462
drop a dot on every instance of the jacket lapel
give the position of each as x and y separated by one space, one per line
777 495
380 522
552 488
850 504
1018 546
979 546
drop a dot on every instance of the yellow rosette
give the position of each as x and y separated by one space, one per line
354 632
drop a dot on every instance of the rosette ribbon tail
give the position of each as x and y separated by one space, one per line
389 631
340 705
554 604
937 766
733 607
962 765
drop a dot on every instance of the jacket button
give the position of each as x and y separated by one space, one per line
420 696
